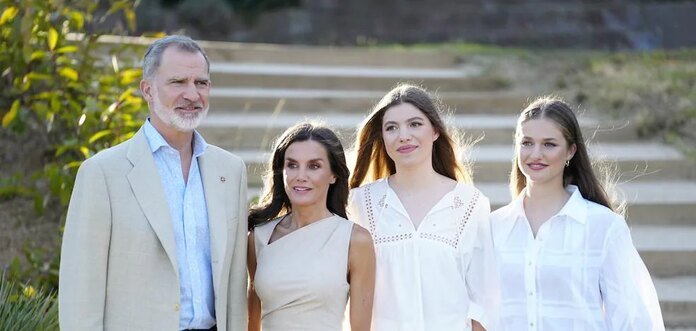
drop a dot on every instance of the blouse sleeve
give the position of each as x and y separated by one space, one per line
353 207
630 299
481 272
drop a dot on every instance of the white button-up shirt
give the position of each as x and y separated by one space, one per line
187 208
438 276
581 272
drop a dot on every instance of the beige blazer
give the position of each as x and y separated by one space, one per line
118 266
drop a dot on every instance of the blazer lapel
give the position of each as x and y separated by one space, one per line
216 199
147 186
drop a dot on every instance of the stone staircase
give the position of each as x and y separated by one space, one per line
260 90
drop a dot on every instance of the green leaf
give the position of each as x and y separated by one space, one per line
11 115
130 18
8 14
68 73
77 18
37 55
99 135
85 152
52 38
129 76
67 49
37 76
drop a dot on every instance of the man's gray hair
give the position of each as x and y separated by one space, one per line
153 55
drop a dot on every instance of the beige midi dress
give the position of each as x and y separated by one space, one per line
301 278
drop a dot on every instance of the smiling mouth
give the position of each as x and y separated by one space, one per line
301 189
406 149
189 109
536 166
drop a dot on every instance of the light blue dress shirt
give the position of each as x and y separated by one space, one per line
189 214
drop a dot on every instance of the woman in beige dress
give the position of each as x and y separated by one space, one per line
305 258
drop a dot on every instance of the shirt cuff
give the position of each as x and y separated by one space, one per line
477 313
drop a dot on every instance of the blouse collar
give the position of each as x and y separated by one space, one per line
575 209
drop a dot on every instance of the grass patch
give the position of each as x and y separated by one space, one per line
656 90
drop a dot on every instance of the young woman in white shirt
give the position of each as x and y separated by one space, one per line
566 259
435 260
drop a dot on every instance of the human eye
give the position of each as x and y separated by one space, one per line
314 165
526 143
416 124
291 165
550 145
390 127
203 83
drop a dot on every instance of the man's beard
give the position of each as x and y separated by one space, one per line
181 122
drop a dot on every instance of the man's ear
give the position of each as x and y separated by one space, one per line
146 90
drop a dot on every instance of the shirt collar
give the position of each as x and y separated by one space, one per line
575 208
156 141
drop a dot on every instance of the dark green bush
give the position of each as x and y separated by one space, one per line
59 87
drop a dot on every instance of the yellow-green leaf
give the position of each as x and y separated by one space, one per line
99 135
67 49
129 76
78 19
52 38
68 73
85 151
37 76
8 14
73 164
11 115
130 18
37 55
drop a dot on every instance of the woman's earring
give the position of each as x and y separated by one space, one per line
567 163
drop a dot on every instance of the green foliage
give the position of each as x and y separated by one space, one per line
656 89
23 308
60 86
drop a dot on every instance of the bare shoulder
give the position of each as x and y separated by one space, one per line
360 237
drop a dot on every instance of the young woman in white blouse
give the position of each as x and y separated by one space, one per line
435 260
566 260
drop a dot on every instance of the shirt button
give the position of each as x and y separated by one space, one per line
529 263
531 294
531 325
176 307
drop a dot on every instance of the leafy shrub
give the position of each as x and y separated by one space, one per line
59 86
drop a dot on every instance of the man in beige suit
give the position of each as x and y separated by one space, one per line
155 237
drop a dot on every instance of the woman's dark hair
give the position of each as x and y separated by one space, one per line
579 171
275 201
372 161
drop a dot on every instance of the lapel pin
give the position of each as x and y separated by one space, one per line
223 179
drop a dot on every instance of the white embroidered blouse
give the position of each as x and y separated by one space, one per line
581 272
438 276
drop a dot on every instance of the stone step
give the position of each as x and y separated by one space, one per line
274 75
258 130
668 251
355 101
657 203
625 161
678 302
661 203
491 163
296 54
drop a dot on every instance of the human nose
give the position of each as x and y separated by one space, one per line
404 135
301 174
536 152
191 92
